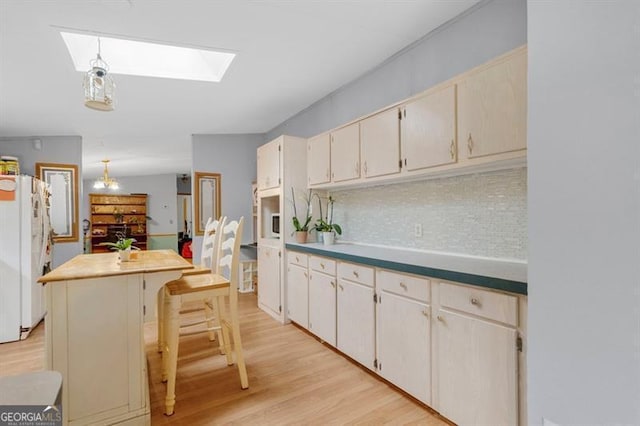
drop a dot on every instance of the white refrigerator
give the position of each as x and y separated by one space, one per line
25 252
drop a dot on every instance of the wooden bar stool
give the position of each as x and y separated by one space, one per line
222 289
209 255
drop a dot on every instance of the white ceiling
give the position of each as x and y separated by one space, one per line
289 55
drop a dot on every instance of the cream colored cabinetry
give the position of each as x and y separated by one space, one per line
492 108
356 313
380 144
322 298
477 356
345 153
269 270
268 162
428 130
298 289
281 166
319 159
403 316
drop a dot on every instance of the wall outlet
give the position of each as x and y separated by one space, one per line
417 230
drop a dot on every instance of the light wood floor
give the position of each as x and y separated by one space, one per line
293 379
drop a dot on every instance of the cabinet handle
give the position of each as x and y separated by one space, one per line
333 175
453 155
322 265
470 144
425 313
365 168
341 287
474 301
327 175
333 284
297 259
404 112
305 275
355 274
403 285
440 318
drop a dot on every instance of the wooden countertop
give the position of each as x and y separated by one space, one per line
107 264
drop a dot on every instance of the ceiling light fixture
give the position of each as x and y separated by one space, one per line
98 86
105 181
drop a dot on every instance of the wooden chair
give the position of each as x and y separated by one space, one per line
222 288
208 264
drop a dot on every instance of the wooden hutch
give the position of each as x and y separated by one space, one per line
114 215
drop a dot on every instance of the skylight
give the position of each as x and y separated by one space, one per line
148 59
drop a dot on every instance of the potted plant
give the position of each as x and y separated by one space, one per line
326 225
301 227
123 245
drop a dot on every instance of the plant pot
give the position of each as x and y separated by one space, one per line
124 255
328 238
301 237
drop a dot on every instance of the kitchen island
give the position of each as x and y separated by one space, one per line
96 309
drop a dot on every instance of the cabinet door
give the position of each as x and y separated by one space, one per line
428 130
356 322
404 344
318 159
492 109
322 306
298 295
268 159
380 144
345 153
269 278
477 368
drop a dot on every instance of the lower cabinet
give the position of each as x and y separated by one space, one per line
356 330
404 332
298 289
322 298
454 347
477 356
269 279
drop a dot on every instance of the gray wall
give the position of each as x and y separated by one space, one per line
54 149
234 157
478 35
584 213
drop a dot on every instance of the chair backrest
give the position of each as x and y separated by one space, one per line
211 243
230 251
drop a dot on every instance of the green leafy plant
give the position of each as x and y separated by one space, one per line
326 224
301 226
123 243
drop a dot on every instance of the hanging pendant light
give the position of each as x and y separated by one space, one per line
105 181
98 85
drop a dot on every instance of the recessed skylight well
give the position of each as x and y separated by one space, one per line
148 59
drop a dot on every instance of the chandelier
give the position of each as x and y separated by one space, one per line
105 181
98 86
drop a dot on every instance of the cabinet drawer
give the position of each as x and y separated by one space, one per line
322 264
356 273
404 285
296 258
495 306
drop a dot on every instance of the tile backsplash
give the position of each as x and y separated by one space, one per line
482 214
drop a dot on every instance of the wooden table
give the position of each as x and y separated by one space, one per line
96 309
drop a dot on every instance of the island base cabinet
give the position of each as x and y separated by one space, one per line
477 371
356 322
404 344
94 338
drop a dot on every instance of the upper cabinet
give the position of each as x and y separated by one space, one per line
492 108
428 130
319 159
380 144
475 121
268 158
345 153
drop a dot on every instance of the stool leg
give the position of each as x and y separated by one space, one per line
219 314
172 358
237 345
163 327
209 314
224 320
